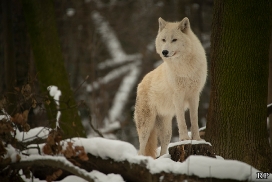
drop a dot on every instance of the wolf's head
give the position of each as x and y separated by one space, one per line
173 39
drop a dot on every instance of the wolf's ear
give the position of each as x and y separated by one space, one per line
162 24
184 25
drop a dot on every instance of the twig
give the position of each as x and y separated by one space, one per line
78 87
90 117
86 78
98 132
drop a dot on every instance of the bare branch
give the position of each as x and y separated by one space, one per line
90 117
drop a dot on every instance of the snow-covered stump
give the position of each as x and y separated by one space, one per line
180 151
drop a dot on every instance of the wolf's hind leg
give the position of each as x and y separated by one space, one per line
151 145
164 128
147 135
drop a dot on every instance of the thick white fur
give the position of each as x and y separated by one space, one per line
171 88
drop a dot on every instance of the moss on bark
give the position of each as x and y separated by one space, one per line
40 19
239 71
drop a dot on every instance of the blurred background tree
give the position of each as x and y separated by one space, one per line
9 80
49 62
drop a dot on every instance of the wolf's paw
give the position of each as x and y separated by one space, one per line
184 137
196 138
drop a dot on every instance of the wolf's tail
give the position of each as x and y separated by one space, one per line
151 146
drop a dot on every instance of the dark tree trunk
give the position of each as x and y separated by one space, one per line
40 20
9 58
270 91
240 40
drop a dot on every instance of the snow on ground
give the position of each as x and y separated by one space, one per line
193 142
39 132
11 153
100 177
5 115
194 165
120 151
55 93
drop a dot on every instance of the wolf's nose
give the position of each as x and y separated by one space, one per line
164 52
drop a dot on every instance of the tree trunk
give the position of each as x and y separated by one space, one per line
9 58
270 90
44 39
240 40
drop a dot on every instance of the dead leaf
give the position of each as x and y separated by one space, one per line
81 153
83 156
26 90
5 127
25 115
2 148
18 158
50 139
47 102
34 103
26 127
18 118
54 176
47 149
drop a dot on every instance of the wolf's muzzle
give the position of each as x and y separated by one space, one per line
164 53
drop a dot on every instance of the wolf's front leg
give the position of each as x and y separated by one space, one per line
193 107
180 116
183 132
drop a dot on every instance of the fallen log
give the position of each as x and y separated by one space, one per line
121 159
131 172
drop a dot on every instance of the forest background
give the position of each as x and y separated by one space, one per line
94 33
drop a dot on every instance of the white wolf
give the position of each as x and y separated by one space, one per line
171 88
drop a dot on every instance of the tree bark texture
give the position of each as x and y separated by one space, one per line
239 75
9 58
49 61
269 99
180 153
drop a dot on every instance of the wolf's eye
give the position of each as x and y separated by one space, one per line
163 40
174 40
